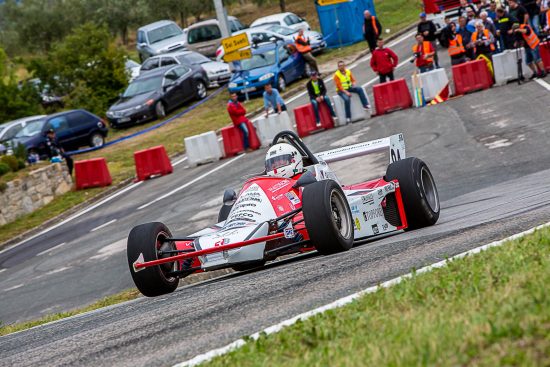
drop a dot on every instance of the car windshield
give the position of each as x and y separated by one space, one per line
162 33
141 86
265 23
31 129
193 59
129 64
259 60
285 31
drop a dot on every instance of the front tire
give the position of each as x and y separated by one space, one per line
327 217
201 90
420 196
160 110
147 239
97 140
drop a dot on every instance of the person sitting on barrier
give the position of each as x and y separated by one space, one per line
237 112
456 50
504 31
423 53
372 29
273 99
345 86
318 94
483 40
526 37
55 150
383 61
303 47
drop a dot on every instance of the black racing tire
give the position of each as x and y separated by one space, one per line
160 110
248 265
327 217
224 212
146 239
418 190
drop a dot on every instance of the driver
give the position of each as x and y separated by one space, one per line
283 160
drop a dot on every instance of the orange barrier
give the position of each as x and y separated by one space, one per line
305 119
151 162
391 96
233 139
471 76
92 173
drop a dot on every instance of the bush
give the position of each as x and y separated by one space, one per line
4 168
21 163
20 152
11 162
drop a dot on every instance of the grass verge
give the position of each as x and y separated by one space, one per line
490 309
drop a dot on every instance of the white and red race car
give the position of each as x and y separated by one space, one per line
274 216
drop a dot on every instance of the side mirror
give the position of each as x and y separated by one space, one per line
306 179
229 197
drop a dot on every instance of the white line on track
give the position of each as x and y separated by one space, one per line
79 214
191 182
51 249
543 84
103 225
14 287
344 301
1 270
179 161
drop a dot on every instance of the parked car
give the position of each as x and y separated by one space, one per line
205 37
271 63
74 129
132 69
290 20
47 97
216 72
154 93
273 32
8 130
159 38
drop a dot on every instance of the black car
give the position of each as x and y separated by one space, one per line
74 129
152 94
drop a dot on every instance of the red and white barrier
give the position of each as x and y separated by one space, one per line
92 173
152 162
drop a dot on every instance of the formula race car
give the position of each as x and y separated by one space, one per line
298 205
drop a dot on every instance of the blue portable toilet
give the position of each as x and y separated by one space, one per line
342 23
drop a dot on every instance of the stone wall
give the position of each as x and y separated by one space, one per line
35 190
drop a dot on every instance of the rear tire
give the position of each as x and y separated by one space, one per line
327 217
146 239
420 196
201 90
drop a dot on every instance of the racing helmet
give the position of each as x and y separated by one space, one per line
283 160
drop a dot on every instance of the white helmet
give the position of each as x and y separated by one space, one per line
283 160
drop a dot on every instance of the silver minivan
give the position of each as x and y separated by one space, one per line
205 37
159 38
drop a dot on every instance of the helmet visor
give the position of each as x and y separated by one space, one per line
278 162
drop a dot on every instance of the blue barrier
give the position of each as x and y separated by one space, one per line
151 128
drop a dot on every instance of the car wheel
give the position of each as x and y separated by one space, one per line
327 217
201 90
97 140
248 265
281 83
418 190
147 240
160 110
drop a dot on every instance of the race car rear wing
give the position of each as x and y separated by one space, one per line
395 144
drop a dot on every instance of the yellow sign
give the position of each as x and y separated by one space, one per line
330 2
235 43
238 55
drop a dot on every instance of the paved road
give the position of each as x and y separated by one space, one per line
487 151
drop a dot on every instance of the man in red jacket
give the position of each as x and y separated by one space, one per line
383 61
237 113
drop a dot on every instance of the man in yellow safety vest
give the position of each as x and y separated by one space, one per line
345 86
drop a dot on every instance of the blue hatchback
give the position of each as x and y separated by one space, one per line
272 63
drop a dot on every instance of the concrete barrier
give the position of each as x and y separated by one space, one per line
433 82
202 148
267 128
357 111
505 66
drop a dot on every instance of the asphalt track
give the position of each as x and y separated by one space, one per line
489 155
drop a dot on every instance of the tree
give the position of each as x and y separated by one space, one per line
87 67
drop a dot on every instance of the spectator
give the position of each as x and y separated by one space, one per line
483 41
423 54
318 94
488 23
237 113
383 61
456 50
446 33
518 12
464 6
483 6
345 86
533 9
505 23
492 12
466 37
526 37
547 21
371 29
55 150
273 99
303 47
427 29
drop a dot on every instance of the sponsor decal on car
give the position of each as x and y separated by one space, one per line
289 231
372 214
357 224
375 229
294 199
279 185
367 199
389 187
355 209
